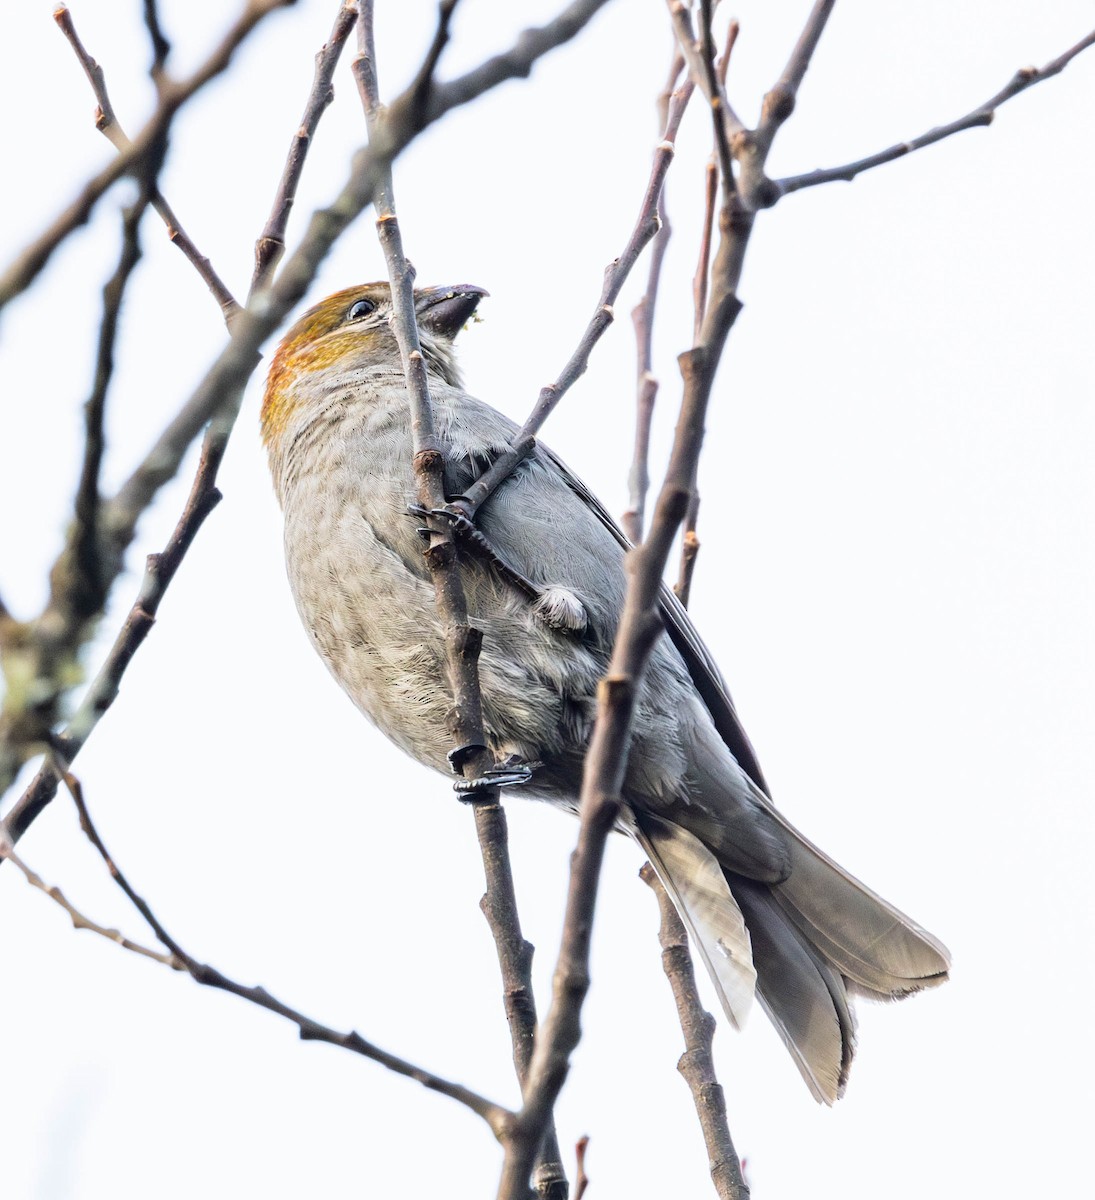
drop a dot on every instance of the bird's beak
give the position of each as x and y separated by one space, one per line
444 311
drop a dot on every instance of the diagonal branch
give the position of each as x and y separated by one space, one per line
107 123
270 246
173 95
982 115
697 1064
496 1116
616 274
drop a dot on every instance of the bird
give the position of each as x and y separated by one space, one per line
769 913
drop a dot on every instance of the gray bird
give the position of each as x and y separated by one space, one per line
768 912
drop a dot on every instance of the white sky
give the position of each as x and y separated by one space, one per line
896 575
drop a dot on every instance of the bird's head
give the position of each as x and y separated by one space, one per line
351 332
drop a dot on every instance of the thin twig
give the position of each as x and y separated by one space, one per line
697 1064
703 265
690 548
161 47
982 115
615 276
22 273
79 919
462 640
495 1115
723 125
43 654
271 243
581 1179
107 123
642 318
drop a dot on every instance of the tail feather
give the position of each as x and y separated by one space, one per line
696 883
804 997
865 937
805 945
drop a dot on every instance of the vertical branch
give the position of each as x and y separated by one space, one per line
697 1064
642 317
462 640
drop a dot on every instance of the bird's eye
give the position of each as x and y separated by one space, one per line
360 308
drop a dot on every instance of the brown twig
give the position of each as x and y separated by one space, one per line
462 640
218 396
271 243
690 548
107 123
161 47
581 1179
697 1064
699 280
173 95
642 318
40 658
616 274
497 1117
79 919
982 115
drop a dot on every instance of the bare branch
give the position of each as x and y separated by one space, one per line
692 50
642 317
982 115
161 47
462 640
515 63
699 280
107 123
79 920
22 273
690 549
497 1118
42 655
616 274
723 120
697 1064
271 243
581 1180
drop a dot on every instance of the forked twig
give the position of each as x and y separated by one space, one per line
107 123
496 1116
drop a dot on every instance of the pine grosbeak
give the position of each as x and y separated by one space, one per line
765 907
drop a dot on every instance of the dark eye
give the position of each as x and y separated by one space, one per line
360 308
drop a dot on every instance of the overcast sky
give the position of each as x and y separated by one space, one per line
896 576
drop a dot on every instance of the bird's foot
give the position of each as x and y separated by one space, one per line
510 772
557 607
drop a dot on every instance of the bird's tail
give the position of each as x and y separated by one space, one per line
810 943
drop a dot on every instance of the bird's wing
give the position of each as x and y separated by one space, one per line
682 633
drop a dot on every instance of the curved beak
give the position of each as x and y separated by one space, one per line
444 311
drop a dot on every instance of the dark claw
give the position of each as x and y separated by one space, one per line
461 756
511 774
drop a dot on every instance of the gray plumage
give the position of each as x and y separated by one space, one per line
753 892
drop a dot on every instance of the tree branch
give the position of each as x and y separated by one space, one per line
173 95
271 243
462 640
697 1064
497 1117
982 115
107 124
616 274
642 318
